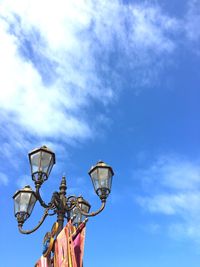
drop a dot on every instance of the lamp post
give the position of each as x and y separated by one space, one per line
69 207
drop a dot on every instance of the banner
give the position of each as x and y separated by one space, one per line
44 262
78 246
61 257
68 248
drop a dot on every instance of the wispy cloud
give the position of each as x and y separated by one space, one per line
50 67
173 184
193 20
57 62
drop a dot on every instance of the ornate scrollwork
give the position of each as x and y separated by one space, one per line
48 241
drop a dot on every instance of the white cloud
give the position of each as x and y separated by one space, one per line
174 172
172 204
173 184
38 109
192 21
55 62
151 28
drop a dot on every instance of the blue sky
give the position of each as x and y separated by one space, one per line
111 80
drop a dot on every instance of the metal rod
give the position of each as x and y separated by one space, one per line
43 204
92 213
62 204
34 229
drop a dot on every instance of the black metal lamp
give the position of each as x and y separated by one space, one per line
101 175
64 206
41 161
76 215
83 204
24 202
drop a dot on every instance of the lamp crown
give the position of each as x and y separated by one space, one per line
27 188
41 160
101 164
44 148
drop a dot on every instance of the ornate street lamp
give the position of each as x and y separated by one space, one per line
75 214
70 207
101 176
24 203
41 161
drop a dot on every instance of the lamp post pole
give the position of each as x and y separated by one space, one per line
61 213
70 207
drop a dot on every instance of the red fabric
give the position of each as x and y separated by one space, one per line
78 247
61 250
68 249
43 262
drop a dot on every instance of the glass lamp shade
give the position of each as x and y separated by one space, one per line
101 175
76 215
41 161
24 202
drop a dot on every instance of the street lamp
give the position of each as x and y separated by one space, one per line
24 203
70 207
41 161
101 175
76 216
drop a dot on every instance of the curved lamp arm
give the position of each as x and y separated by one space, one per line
42 203
92 213
20 225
